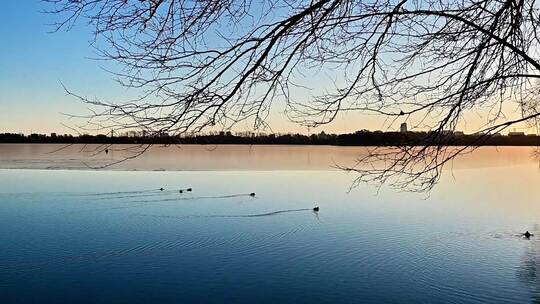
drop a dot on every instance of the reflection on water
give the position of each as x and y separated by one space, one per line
72 236
226 157
529 270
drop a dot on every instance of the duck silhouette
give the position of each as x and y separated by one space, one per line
316 209
252 194
527 234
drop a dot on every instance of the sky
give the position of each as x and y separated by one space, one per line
34 62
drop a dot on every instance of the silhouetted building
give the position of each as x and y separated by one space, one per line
515 133
403 128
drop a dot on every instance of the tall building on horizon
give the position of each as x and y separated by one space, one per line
403 128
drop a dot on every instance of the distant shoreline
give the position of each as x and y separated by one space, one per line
360 139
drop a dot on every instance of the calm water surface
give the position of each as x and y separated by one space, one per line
109 236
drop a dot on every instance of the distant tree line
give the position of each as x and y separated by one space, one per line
359 138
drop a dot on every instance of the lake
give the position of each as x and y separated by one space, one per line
69 234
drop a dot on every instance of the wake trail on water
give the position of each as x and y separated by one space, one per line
146 203
193 198
226 216
124 192
264 214
134 196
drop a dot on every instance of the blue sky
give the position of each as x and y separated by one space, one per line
34 61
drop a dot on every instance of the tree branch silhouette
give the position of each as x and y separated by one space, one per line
203 64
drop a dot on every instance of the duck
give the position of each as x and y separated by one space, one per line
161 189
252 194
189 189
181 191
316 209
527 234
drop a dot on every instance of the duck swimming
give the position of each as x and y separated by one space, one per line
527 234
316 209
252 194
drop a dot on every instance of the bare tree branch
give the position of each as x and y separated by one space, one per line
208 64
